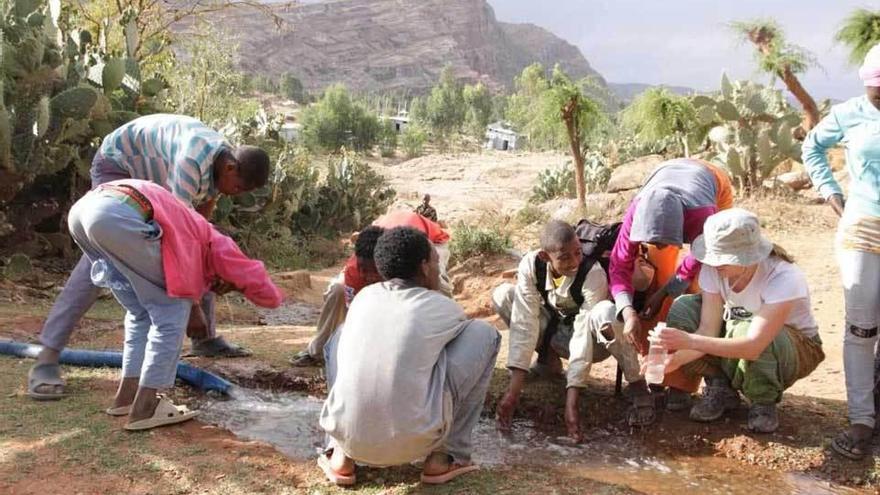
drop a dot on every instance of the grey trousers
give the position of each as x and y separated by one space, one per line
860 272
79 295
470 359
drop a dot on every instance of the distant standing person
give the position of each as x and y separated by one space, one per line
426 210
855 122
195 163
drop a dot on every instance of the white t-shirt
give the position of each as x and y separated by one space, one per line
776 281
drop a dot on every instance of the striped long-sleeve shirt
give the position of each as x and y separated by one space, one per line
174 151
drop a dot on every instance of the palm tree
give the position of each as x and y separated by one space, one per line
657 114
782 60
860 32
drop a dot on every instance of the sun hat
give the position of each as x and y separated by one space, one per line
731 237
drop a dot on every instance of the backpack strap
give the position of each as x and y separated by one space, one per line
576 290
541 281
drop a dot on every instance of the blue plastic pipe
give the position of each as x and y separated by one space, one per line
190 374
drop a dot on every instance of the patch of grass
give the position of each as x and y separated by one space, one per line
469 241
531 214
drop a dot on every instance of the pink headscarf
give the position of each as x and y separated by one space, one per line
870 70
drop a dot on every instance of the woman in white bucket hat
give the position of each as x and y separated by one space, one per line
856 124
751 331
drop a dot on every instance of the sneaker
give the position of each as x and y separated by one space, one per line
678 400
717 398
763 418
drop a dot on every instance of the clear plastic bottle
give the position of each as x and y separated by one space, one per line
656 360
104 275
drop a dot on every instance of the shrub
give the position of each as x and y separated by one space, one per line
387 139
337 120
469 241
413 140
531 214
558 182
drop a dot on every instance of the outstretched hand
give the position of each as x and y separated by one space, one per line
837 203
504 410
632 330
654 303
672 339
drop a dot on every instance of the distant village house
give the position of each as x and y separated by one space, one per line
499 136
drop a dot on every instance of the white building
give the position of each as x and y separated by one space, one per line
400 121
499 136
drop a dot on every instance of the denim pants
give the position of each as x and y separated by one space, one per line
78 294
470 360
106 228
860 272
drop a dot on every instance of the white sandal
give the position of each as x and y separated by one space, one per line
166 413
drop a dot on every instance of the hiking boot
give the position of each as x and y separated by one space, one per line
717 398
763 418
303 359
678 400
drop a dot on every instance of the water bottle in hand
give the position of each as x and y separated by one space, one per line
104 275
656 360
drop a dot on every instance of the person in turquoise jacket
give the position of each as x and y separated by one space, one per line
855 124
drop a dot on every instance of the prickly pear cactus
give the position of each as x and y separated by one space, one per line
751 131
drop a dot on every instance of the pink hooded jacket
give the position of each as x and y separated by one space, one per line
194 254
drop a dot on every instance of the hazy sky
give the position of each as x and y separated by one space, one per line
687 42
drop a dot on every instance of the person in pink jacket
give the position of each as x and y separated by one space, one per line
158 257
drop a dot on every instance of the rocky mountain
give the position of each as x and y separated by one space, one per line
626 92
394 45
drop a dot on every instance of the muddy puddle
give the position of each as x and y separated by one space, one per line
289 422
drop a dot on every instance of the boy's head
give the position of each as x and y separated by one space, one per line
560 248
364 248
406 253
244 170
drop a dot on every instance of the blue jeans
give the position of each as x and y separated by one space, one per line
79 295
155 324
470 360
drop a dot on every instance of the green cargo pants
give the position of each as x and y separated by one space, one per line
790 357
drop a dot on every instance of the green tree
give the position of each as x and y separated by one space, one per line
579 114
445 108
291 87
783 60
204 80
479 104
860 32
658 114
337 120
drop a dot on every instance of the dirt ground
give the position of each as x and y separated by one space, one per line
71 447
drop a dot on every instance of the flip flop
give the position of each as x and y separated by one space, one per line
849 447
48 375
165 414
455 470
118 411
333 476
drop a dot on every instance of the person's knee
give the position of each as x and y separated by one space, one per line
862 332
483 335
684 313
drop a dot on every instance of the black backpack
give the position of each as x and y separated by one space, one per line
597 241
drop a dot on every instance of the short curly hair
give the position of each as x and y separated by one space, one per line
365 245
400 251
